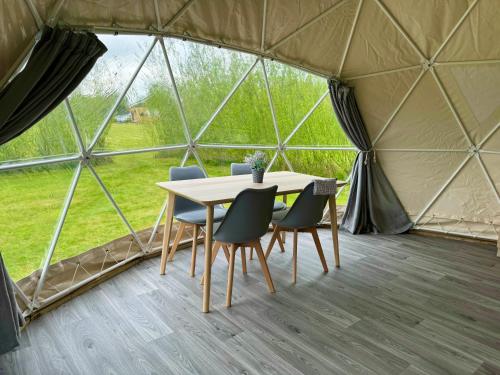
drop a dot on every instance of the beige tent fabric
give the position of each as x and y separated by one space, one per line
17 31
426 72
69 272
377 45
236 25
493 144
476 98
412 131
429 22
419 175
477 37
378 96
284 16
334 31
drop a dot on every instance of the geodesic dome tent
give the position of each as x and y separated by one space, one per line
426 76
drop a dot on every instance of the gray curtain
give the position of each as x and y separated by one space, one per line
58 63
10 316
373 206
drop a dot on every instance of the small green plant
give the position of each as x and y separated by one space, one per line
257 161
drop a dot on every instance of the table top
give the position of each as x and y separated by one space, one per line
216 190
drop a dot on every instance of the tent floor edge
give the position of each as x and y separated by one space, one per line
451 236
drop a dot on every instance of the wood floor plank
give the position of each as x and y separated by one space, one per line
487 369
406 304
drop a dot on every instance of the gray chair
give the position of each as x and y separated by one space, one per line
243 168
303 216
189 213
246 221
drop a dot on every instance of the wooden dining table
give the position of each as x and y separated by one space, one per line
213 191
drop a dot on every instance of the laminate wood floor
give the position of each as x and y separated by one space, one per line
399 305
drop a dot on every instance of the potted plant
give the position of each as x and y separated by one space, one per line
257 162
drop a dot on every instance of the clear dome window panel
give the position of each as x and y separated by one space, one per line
279 164
93 238
51 136
218 161
94 98
131 180
32 201
323 163
321 129
204 76
91 220
246 119
191 160
148 115
294 93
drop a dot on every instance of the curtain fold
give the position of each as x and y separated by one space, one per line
373 206
11 318
58 63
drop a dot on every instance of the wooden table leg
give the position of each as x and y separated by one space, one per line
283 234
208 258
167 232
332 206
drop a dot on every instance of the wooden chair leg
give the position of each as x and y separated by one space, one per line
251 253
280 242
230 275
295 240
275 235
243 260
196 229
317 242
226 252
265 268
215 250
177 239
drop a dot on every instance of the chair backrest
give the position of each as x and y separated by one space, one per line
307 209
185 173
240 168
248 217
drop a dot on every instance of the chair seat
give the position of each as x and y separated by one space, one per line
199 216
278 206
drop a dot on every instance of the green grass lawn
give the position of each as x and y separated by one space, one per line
33 198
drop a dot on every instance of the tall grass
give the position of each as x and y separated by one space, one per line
204 76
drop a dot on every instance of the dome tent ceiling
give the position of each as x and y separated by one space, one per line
426 73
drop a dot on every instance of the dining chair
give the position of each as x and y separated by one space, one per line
246 221
189 213
303 216
243 168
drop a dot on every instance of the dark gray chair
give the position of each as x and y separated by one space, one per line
243 168
189 213
246 221
303 216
